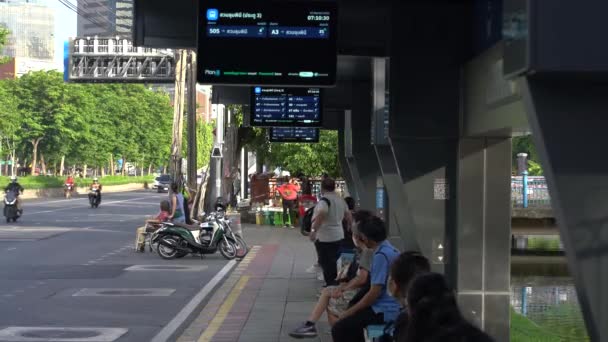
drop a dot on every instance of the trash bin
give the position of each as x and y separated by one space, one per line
267 220
259 218
278 219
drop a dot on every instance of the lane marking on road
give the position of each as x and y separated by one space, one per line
183 315
12 249
178 268
124 292
222 313
80 207
61 334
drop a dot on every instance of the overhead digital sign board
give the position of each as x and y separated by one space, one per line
250 42
294 134
288 107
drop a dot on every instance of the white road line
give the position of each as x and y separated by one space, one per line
183 315
12 249
80 207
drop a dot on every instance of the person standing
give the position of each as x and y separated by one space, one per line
327 231
177 205
289 197
235 177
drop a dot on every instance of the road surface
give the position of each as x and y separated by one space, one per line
70 273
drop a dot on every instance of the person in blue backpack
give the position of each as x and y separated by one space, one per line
377 306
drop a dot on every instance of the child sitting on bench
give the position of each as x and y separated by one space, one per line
151 225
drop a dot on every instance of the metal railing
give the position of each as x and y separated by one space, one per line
530 192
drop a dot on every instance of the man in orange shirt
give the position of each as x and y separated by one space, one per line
289 195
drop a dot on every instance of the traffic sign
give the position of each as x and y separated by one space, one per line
217 152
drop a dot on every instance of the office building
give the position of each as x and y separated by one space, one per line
105 18
31 43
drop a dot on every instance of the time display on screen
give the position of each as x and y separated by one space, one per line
293 107
294 134
272 42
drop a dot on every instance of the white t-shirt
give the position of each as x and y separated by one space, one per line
331 229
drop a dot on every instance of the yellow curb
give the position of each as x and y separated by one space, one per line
222 313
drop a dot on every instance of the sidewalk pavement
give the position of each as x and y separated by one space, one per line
266 296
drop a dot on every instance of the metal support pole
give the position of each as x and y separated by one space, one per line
220 142
178 117
524 191
524 301
244 172
192 129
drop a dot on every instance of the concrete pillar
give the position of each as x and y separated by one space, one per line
568 118
484 232
469 241
363 162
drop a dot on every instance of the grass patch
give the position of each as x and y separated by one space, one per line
46 182
543 244
524 330
563 323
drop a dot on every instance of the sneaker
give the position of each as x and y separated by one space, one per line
291 227
312 269
306 330
320 276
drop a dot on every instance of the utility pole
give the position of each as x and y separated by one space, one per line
178 117
192 129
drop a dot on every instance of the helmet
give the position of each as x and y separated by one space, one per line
13 179
95 179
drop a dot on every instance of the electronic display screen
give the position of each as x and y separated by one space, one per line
291 107
294 134
268 42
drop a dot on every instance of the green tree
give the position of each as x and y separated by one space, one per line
204 142
525 144
44 108
4 33
309 159
10 120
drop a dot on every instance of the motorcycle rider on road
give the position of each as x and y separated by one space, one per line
96 185
15 187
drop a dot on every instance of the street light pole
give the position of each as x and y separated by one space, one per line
192 129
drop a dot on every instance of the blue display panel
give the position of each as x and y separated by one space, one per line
294 134
292 107
249 42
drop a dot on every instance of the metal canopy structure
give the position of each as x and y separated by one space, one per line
117 60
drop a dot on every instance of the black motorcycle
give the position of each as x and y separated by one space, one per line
94 198
10 206
176 240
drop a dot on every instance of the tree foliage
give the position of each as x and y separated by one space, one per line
85 124
308 159
525 144
4 33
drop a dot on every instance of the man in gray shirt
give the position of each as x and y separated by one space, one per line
327 231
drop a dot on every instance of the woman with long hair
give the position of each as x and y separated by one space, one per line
434 315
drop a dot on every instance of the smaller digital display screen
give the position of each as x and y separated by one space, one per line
290 107
294 134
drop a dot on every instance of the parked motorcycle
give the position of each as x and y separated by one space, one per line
94 198
67 191
176 240
240 243
10 207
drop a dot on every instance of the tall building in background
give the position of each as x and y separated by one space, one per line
105 18
31 43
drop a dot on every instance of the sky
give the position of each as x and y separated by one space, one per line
65 27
